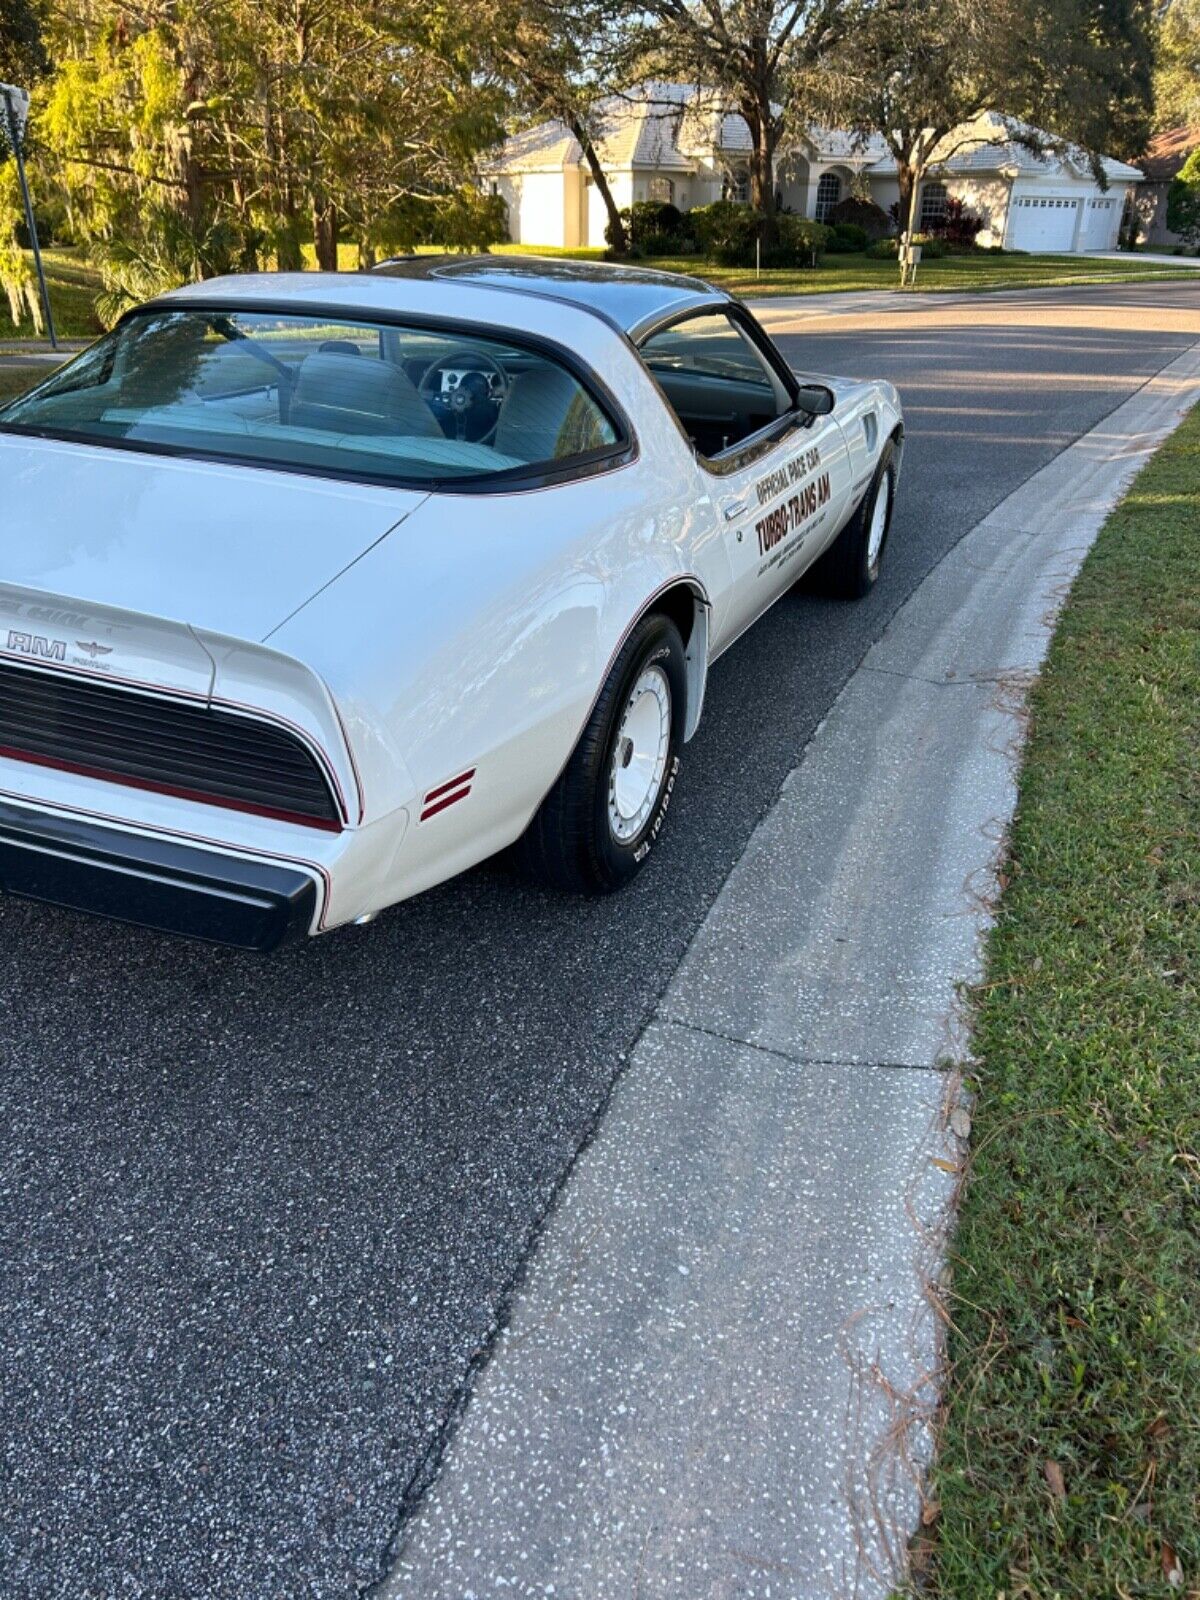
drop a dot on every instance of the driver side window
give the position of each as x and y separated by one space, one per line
716 380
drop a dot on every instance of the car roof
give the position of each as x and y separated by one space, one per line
628 298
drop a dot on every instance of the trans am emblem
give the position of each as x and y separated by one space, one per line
91 648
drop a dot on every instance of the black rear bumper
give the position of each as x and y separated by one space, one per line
157 883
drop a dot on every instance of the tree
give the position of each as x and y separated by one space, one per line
1183 201
918 70
22 61
924 72
555 59
193 136
1102 92
22 53
755 54
1177 66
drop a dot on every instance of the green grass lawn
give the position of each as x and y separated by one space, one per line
954 272
15 379
860 272
1069 1463
74 285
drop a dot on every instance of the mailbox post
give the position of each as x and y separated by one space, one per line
910 256
14 114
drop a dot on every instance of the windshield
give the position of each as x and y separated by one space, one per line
409 405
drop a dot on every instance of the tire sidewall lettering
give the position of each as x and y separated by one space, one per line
643 849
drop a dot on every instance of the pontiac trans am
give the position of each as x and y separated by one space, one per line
317 589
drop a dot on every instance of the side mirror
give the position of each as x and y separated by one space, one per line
814 399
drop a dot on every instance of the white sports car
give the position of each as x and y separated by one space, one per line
318 589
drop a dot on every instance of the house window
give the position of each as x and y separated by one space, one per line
662 190
737 187
829 192
933 206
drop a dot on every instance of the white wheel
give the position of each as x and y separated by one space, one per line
850 567
638 766
879 521
603 817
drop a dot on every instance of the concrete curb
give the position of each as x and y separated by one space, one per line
719 1377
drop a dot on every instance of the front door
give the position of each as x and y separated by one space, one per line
778 478
782 511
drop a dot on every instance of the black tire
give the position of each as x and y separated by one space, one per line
846 570
571 843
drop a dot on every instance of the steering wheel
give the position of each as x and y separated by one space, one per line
464 404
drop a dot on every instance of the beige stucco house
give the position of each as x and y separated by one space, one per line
670 141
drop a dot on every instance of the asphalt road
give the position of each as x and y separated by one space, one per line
258 1220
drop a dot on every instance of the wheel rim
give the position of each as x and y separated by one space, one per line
639 758
879 516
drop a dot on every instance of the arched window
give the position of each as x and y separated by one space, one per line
933 206
737 186
829 192
662 190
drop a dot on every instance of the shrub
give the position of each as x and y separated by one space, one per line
655 228
849 236
728 233
888 249
801 240
664 244
864 214
1183 201
958 226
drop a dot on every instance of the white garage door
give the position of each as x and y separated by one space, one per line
1101 223
1038 224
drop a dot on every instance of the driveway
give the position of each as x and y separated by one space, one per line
258 1220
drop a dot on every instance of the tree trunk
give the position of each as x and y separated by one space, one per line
616 228
325 234
760 120
288 256
762 173
907 178
366 256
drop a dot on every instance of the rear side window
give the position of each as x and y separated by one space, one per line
716 380
422 406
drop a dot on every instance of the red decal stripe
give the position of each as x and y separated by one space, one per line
454 783
446 800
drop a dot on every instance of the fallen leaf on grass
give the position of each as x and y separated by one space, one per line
920 1554
1054 1477
1172 1571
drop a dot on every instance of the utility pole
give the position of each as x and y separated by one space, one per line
16 112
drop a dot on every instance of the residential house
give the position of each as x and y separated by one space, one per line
674 142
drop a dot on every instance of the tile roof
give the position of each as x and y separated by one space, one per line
992 152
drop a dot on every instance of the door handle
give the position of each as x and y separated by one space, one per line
736 510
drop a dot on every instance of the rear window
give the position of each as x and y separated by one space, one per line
415 406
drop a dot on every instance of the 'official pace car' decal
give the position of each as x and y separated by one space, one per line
802 512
